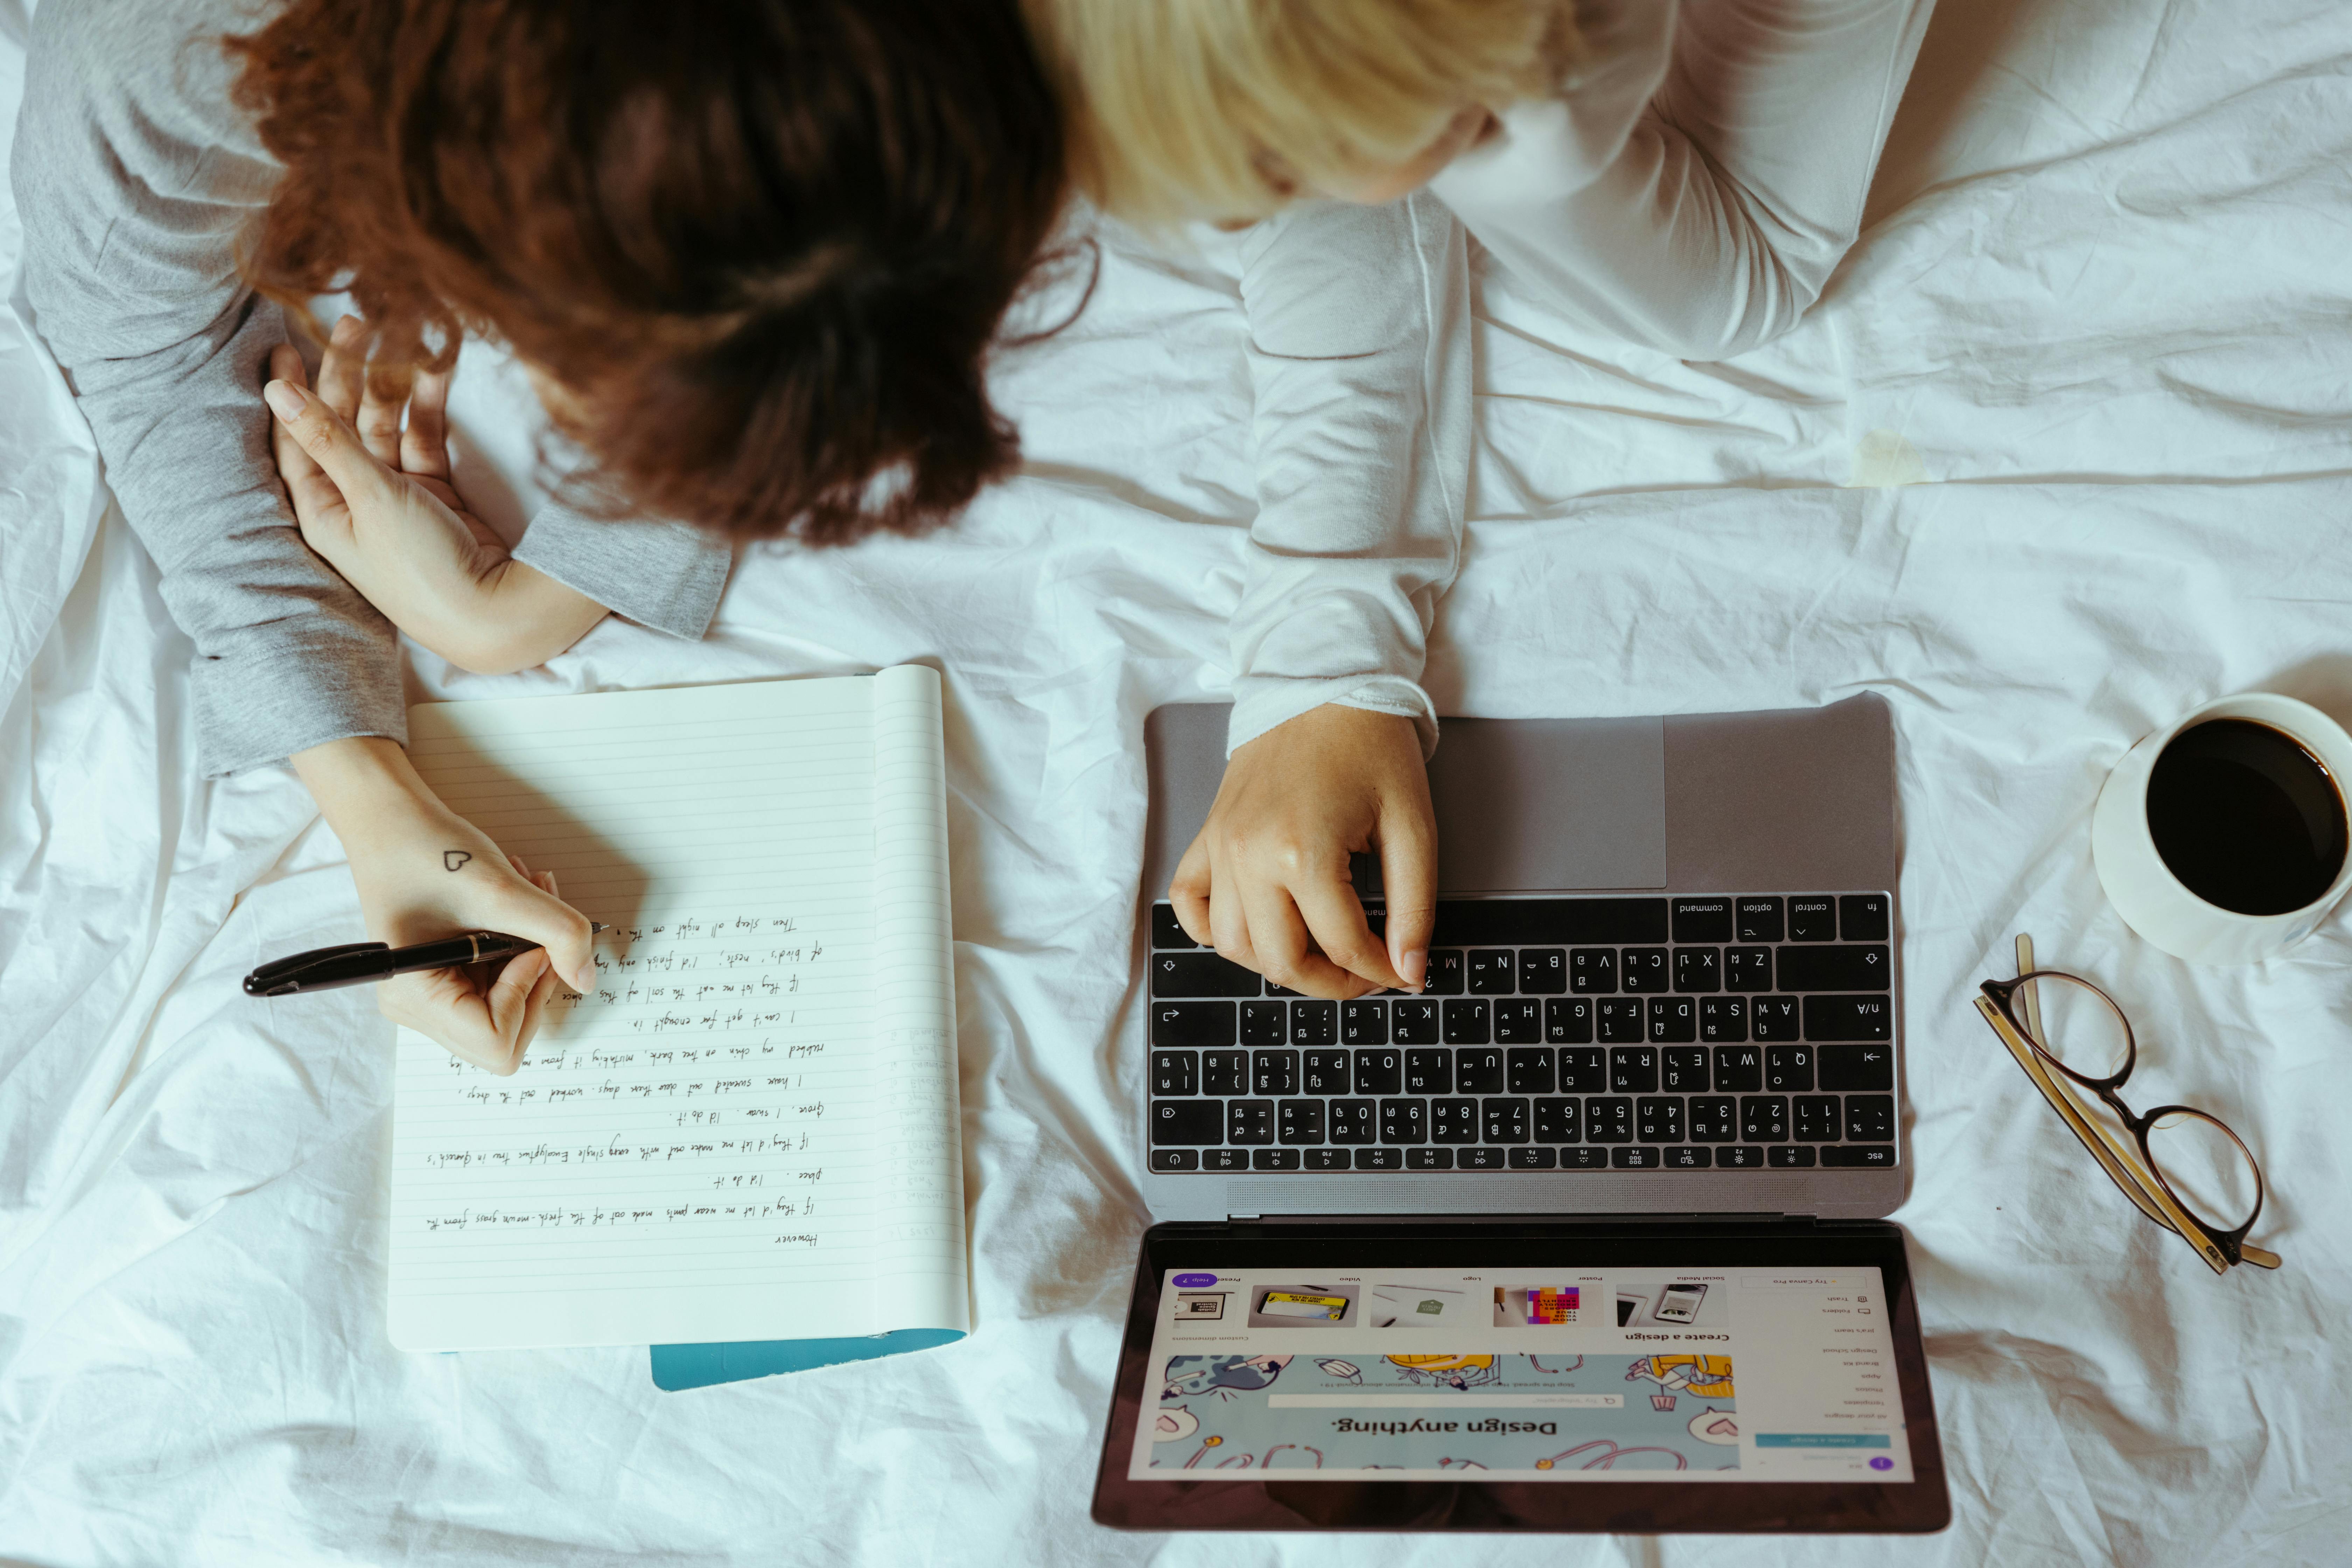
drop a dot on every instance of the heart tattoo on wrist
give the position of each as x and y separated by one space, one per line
453 859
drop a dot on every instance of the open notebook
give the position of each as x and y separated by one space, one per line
748 1131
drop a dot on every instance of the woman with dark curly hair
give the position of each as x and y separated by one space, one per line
754 255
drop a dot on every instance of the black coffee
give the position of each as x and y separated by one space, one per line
2245 817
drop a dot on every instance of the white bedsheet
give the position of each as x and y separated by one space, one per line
2105 313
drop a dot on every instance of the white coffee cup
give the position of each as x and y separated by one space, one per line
2142 888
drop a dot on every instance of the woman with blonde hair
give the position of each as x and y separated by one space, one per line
1685 178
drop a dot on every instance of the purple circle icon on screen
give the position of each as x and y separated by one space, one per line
1188 1281
1882 1463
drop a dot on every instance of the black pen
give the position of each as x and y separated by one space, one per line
358 962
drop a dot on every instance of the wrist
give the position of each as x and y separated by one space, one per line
366 788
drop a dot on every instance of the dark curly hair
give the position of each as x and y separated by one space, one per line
765 245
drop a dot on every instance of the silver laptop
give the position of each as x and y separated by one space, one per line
1666 979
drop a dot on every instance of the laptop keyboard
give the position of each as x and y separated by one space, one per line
1734 1031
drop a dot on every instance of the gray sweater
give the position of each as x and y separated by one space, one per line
133 175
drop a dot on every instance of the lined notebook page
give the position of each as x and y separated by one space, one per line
748 1129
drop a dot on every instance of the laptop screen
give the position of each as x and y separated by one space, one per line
1726 1374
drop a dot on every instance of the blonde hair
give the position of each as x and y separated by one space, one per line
1221 110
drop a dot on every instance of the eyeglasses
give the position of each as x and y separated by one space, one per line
2177 1163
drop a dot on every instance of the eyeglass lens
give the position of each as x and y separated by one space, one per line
2081 1028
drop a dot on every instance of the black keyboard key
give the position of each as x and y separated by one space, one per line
1643 970
1493 972
1192 1023
1453 1121
1404 1122
1699 968
1543 971
1583 1158
1812 918
1324 1160
1429 1072
1593 970
1274 989
1299 1122
1674 1018
1608 1119
1864 917
1225 1072
1759 919
1739 1157
1723 1020
1776 1017
1702 920
1870 1118
1815 1119
1633 1159
1175 1159
1224 1159
1445 972
1350 1121
1274 1072
1617 1019
1559 1120
1740 1070
1837 967
1530 1072
1686 1159
1790 1156
1584 1071
1529 1158
1264 1023
1518 1022
1848 1017
1313 1023
1634 1070
1658 1119
1868 1155
1568 1021
1714 1120
1467 1023
1325 1072
1379 1159
1188 1121
1167 930
1788 1069
1763 1118
1504 1120
1364 1023
1748 969
1274 1158
1478 1158
1249 1121
1550 923
1200 974
1380 1071
1429 1159
1856 1067
1478 1072
1682 1070
1175 1072
1414 1023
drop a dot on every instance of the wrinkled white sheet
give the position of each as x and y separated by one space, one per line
2104 313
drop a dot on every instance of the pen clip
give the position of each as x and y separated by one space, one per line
280 971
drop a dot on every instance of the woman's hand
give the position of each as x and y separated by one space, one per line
1267 883
423 873
377 502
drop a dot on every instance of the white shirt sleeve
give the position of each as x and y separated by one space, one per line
1360 360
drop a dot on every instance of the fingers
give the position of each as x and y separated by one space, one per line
508 1002
1336 921
534 912
343 367
378 422
294 464
1277 935
1407 841
425 446
330 442
1188 891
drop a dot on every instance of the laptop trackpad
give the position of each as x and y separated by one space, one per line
1530 805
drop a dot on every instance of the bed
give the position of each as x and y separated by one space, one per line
2067 449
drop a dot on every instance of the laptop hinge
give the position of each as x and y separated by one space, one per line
1740 1217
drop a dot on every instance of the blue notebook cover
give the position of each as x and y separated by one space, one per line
698 1366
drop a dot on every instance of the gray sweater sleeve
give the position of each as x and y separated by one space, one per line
133 175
